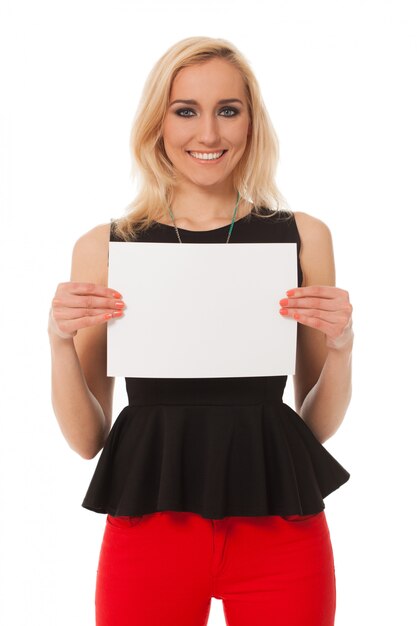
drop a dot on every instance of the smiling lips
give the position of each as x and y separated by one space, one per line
207 156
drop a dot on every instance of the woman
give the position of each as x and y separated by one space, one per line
212 487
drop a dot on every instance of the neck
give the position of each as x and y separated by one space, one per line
205 208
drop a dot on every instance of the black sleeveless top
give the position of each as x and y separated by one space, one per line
213 446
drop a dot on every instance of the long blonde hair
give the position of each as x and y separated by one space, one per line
254 175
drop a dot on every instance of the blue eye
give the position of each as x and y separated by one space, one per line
234 111
179 111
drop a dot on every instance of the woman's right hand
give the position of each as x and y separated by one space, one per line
78 305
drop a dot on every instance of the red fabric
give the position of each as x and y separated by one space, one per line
163 568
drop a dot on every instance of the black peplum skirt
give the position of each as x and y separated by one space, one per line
217 447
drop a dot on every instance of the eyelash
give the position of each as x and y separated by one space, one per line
236 112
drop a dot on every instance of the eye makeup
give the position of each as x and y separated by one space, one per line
233 109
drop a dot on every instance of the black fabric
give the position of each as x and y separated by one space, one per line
214 446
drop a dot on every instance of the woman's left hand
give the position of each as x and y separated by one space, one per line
326 308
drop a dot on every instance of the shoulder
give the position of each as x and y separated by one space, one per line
316 252
311 228
94 241
90 252
96 236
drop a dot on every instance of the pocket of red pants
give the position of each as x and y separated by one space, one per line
299 518
124 522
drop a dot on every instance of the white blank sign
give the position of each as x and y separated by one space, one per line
201 310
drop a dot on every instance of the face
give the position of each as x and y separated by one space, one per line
206 125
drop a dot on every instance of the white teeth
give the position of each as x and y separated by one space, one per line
207 157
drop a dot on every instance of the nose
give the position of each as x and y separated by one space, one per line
208 130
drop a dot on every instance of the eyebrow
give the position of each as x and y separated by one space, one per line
224 101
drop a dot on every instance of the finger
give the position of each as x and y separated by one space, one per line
319 291
87 288
69 326
325 304
327 317
86 302
72 313
327 327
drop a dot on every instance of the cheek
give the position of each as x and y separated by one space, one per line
239 135
174 134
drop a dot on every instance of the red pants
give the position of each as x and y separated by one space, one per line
162 569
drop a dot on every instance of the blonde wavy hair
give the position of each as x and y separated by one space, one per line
254 175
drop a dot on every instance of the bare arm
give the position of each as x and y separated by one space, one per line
323 380
79 414
325 405
81 392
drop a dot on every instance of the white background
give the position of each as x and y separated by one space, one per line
338 79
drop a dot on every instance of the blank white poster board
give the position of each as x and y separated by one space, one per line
201 310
